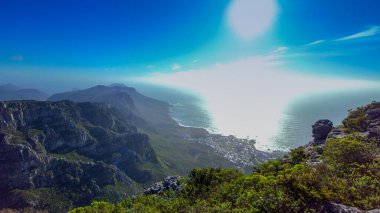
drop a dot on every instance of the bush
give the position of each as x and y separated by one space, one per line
344 153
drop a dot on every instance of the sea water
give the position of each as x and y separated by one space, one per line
187 108
295 122
288 128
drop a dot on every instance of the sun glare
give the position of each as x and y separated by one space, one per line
251 18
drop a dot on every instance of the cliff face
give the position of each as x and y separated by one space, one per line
83 149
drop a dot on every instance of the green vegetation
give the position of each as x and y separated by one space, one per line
105 207
356 120
17 137
48 198
71 156
346 154
178 156
350 175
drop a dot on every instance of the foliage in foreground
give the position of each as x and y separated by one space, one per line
350 175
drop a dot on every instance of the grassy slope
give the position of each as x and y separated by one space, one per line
179 156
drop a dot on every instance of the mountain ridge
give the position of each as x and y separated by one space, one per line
151 110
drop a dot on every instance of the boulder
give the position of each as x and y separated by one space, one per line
321 129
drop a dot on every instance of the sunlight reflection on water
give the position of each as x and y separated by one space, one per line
275 125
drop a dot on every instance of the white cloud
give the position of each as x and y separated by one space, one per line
176 67
279 50
314 43
367 33
251 18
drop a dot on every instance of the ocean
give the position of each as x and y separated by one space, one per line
295 122
187 108
287 129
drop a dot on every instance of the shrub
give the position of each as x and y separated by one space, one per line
344 153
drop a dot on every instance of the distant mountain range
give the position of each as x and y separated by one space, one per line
12 92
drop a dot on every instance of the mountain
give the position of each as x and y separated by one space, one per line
11 92
57 155
338 171
124 98
177 154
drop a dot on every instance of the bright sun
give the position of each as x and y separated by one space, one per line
251 18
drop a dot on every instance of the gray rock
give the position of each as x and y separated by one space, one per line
374 211
170 182
374 127
321 129
373 113
336 133
340 208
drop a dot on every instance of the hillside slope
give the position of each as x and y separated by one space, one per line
124 98
151 116
58 155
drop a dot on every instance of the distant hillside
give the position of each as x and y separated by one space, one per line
11 92
123 98
57 155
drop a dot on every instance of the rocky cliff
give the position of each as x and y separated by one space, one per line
72 152
169 140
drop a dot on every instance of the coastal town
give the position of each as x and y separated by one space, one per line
241 152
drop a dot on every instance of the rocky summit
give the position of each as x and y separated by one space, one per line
58 155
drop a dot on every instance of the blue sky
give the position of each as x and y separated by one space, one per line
45 40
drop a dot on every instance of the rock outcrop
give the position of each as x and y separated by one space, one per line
336 133
85 150
373 116
170 182
340 208
321 129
